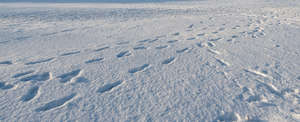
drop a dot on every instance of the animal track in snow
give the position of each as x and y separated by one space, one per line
214 51
201 34
182 50
234 36
191 26
39 61
221 29
70 53
176 34
269 87
122 43
215 39
137 69
141 47
222 62
211 44
6 62
5 86
68 30
146 40
215 32
37 77
69 76
192 38
3 42
94 60
123 53
56 103
31 93
172 41
109 87
22 74
101 49
154 40
229 117
161 47
199 44
49 34
236 27
168 61
23 38
255 72
81 80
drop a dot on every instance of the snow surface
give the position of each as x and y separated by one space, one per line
213 60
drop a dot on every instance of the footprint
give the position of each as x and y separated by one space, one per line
216 39
122 43
229 117
4 42
101 49
172 41
70 53
69 76
182 50
68 30
5 86
271 88
255 98
215 32
210 44
200 44
201 34
137 69
23 38
37 77
55 103
154 40
109 87
229 40
214 51
192 38
81 80
123 53
234 36
146 40
221 29
222 62
161 47
176 34
22 74
236 27
94 60
39 61
258 73
139 48
169 60
191 26
49 34
6 62
31 93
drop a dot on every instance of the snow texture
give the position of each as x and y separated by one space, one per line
202 60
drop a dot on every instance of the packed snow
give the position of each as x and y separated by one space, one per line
167 60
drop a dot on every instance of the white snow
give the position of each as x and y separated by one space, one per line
205 60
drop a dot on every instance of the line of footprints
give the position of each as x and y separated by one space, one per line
75 74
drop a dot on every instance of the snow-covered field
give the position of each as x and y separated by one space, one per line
209 60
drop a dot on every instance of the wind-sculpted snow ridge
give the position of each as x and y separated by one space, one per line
174 61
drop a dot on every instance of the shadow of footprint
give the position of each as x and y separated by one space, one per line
6 62
5 86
